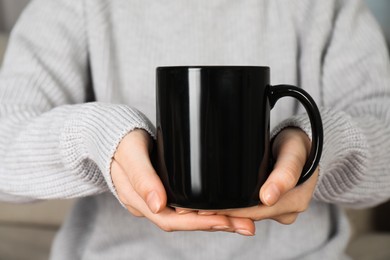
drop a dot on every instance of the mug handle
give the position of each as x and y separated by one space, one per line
279 91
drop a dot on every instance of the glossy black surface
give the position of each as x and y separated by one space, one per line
213 147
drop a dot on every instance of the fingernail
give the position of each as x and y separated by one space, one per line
206 213
272 195
220 227
244 232
183 211
153 201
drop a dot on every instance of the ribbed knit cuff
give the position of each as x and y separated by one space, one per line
344 159
91 138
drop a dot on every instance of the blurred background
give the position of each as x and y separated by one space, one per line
26 231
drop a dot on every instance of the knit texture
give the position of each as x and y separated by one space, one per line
79 75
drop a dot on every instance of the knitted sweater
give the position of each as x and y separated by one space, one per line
78 75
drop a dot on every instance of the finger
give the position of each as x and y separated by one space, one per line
255 213
133 157
243 226
286 219
125 192
260 212
291 153
296 200
134 211
169 220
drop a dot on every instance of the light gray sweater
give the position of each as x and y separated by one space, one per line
63 53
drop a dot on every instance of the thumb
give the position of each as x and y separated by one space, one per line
133 156
291 148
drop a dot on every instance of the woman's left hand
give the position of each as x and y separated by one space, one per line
281 199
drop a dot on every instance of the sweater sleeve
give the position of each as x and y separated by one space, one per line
355 100
52 143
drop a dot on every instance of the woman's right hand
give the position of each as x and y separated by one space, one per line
139 188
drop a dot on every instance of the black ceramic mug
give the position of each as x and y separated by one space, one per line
213 134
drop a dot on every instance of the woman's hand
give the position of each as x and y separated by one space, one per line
281 199
139 188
